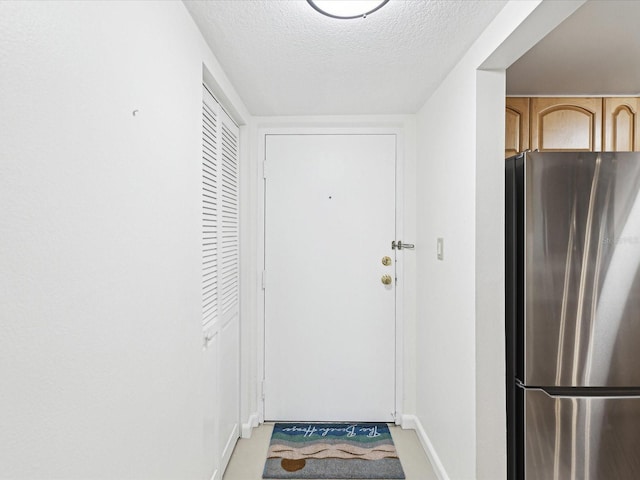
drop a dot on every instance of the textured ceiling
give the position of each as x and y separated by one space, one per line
284 58
596 51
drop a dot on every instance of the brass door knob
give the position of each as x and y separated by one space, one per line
386 279
386 261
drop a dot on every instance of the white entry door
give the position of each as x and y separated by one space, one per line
329 318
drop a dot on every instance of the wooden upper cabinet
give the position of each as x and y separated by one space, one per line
560 124
516 138
621 125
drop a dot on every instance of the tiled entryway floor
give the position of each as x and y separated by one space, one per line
249 455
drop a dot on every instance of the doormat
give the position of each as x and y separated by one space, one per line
332 451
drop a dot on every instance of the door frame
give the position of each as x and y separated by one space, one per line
398 130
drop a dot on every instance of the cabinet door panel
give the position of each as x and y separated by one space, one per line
559 124
622 129
516 126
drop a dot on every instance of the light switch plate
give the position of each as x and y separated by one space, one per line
440 248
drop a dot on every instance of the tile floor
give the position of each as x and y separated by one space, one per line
249 455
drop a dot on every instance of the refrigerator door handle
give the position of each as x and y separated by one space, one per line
586 392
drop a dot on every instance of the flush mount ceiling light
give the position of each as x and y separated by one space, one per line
346 9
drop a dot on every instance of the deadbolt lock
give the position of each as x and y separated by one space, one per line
386 279
386 261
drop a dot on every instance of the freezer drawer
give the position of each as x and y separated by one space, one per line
581 438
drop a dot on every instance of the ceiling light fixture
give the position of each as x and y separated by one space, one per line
347 9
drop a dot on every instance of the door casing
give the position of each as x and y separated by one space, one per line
399 214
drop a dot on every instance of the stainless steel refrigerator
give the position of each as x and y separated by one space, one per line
573 316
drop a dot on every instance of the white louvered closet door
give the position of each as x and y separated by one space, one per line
220 285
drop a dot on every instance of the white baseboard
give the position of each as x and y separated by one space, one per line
228 449
247 428
412 422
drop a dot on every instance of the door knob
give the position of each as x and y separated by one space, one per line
386 279
386 261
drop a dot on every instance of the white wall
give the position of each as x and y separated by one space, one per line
100 336
445 307
460 309
250 309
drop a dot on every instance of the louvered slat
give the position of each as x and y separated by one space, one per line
210 217
229 219
220 214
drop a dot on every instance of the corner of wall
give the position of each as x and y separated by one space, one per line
412 422
248 426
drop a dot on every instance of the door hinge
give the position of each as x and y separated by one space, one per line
262 389
264 279
264 169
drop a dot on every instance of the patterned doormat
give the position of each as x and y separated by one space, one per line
332 451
